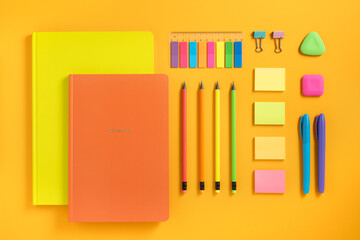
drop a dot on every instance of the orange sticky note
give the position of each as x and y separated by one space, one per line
270 148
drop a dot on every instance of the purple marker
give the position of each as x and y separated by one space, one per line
320 136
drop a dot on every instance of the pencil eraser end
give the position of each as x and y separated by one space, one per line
184 191
233 191
217 191
201 191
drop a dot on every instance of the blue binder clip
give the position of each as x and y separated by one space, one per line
259 35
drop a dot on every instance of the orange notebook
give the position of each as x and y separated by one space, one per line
118 148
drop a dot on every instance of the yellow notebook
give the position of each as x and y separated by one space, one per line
55 56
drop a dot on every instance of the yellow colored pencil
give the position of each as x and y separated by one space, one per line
217 138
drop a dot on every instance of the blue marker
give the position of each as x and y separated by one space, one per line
305 136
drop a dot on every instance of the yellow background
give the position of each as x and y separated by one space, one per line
244 215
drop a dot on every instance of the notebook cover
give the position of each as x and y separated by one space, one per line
118 148
55 56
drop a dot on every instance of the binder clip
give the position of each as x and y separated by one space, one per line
278 35
259 35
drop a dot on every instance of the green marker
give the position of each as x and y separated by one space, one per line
233 139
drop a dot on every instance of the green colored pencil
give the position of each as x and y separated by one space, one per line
233 139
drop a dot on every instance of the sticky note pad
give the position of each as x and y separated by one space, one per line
269 113
238 54
211 54
270 148
220 54
183 54
269 79
193 54
228 54
269 181
202 54
174 54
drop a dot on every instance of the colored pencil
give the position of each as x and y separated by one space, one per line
184 139
233 139
217 138
201 133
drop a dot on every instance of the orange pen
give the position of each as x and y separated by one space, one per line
201 133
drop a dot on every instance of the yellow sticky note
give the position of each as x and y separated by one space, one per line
270 148
269 113
220 54
269 79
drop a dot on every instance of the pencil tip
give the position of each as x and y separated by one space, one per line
201 86
217 85
233 86
184 87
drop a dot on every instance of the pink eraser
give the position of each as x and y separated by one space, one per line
269 181
183 54
313 85
211 54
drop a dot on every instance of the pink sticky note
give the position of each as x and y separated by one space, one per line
211 54
269 181
183 54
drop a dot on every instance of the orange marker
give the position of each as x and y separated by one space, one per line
201 132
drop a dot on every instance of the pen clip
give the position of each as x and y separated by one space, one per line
316 126
301 127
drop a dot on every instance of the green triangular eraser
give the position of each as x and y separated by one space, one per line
312 45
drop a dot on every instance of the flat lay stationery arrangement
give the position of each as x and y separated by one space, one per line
179 120
131 104
192 119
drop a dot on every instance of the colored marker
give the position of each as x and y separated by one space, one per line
305 136
320 136
233 139
184 139
217 138
201 148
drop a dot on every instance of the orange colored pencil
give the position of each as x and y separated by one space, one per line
201 132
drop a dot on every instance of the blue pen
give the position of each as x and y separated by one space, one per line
305 136
320 136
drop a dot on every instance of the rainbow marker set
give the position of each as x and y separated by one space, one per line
206 49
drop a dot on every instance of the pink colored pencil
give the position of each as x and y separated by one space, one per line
184 140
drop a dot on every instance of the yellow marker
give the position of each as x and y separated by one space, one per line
220 54
217 138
